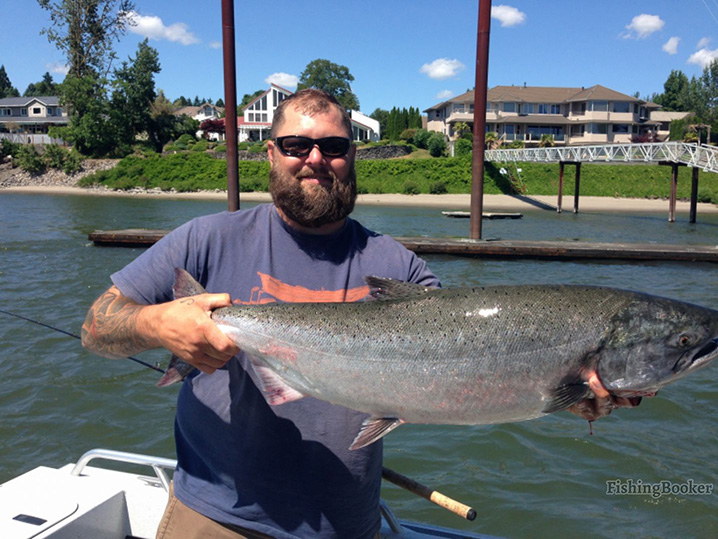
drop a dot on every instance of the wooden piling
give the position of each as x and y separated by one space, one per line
694 193
559 202
578 188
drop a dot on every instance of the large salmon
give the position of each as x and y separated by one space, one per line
476 355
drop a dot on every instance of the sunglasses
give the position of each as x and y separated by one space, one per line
298 146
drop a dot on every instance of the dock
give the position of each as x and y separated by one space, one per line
485 215
502 249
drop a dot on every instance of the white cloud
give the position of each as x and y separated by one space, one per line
703 57
215 44
508 15
442 68
703 43
644 25
152 27
444 94
285 80
671 46
58 67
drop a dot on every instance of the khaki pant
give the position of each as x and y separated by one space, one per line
181 522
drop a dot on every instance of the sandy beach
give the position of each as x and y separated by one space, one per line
492 203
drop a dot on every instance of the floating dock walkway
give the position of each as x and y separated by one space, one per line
505 249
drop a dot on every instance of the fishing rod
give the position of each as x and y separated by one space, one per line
48 326
402 481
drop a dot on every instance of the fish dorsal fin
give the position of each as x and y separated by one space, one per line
186 285
384 288
569 392
276 390
373 429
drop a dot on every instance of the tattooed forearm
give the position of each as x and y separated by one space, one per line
111 326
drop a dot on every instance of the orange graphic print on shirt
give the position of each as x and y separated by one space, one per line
273 290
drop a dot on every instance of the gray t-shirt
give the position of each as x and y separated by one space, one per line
282 470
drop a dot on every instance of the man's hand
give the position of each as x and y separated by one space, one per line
185 328
118 327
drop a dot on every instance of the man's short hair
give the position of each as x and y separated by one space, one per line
310 102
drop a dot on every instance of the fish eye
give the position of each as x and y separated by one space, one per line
684 339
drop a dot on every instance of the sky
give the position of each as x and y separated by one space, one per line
401 53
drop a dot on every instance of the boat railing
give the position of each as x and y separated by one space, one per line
158 464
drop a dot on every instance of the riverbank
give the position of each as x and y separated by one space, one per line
492 203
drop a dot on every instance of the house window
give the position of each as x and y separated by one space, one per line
251 117
459 108
264 103
620 128
510 132
555 109
543 108
274 98
488 106
50 111
598 129
264 117
621 106
36 110
577 130
471 109
528 108
509 107
6 112
599 106
23 112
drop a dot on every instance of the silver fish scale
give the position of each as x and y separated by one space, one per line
476 355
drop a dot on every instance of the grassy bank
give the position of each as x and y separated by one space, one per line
198 171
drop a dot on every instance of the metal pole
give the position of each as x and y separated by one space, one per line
230 103
481 81
559 202
694 192
578 188
674 190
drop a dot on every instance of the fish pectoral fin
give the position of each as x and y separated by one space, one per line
176 371
384 288
374 428
185 285
567 394
276 390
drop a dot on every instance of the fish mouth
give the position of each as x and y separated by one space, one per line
708 353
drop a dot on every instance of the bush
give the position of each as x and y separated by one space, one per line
258 148
436 145
438 188
408 134
462 147
421 138
73 162
220 148
8 147
411 188
243 145
30 160
186 139
200 146
54 156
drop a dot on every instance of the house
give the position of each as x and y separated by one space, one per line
27 119
574 116
206 111
255 122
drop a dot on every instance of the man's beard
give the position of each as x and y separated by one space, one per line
313 205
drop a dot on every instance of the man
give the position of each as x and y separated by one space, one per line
246 469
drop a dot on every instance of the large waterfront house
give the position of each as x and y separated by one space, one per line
27 119
206 111
255 121
573 116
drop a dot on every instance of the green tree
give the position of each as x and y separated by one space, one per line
85 31
247 99
6 87
709 83
181 101
674 91
380 115
134 93
220 102
45 87
333 78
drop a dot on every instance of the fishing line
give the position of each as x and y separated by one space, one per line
76 337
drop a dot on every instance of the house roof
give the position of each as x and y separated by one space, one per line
544 94
192 111
47 100
260 96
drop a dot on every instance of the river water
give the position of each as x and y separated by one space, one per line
542 478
